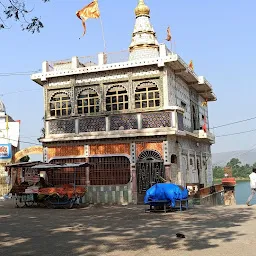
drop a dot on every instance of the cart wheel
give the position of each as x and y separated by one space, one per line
71 204
29 203
19 203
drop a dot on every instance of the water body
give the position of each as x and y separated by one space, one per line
243 191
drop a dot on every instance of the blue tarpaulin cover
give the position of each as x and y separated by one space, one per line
165 191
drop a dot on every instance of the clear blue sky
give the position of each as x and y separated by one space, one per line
218 35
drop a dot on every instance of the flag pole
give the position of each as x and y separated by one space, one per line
103 36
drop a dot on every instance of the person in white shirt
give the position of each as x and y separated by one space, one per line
253 185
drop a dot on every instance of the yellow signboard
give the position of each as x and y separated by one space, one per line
28 151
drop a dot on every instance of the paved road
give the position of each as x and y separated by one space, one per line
127 231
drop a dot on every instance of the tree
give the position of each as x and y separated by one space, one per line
25 159
218 172
234 163
17 10
238 170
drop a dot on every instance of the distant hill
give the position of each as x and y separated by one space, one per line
246 157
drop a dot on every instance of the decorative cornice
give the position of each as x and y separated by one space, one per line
140 46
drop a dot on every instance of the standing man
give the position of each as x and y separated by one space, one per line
253 185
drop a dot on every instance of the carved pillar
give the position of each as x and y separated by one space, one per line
134 183
73 96
77 126
165 87
130 91
87 176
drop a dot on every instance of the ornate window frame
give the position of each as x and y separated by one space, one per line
60 105
93 102
148 96
119 100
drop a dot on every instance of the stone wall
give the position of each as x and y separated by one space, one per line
213 199
191 156
181 95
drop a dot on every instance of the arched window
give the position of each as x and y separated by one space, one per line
60 105
116 99
147 96
88 102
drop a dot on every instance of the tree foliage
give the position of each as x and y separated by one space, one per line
25 159
238 170
17 10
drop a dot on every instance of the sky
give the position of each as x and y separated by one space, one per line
219 36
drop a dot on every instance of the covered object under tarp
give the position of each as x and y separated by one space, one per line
165 192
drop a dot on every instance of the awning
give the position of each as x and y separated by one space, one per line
57 166
24 164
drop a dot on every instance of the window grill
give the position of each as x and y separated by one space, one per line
114 170
116 99
147 96
88 102
109 170
66 175
60 105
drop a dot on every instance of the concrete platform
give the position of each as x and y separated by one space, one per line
127 230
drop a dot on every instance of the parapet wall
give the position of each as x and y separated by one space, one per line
211 196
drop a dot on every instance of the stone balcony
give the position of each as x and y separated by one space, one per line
201 134
129 125
112 126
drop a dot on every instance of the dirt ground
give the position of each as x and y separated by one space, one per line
126 230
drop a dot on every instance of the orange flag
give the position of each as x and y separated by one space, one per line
169 36
191 65
89 11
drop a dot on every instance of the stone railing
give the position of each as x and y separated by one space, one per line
86 61
119 122
96 60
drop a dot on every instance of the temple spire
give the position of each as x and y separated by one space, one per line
144 43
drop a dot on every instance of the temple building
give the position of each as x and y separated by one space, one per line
136 122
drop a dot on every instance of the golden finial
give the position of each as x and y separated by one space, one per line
142 9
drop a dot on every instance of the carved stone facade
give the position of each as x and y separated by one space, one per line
62 126
92 124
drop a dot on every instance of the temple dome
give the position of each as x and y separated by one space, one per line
142 9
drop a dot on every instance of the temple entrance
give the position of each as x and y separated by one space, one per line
149 169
